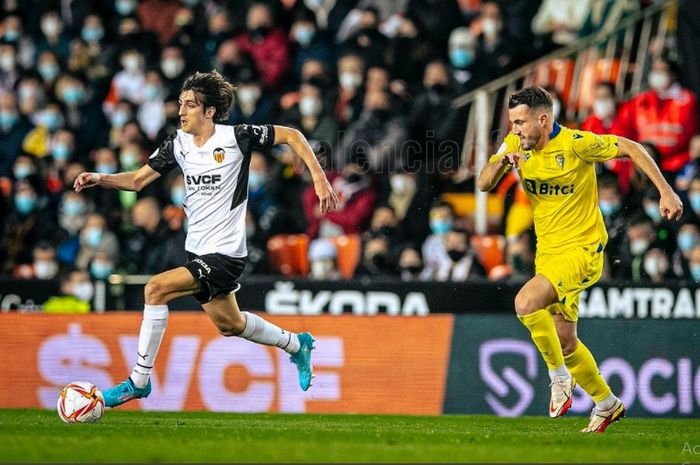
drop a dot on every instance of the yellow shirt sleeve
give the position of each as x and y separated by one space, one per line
511 143
592 147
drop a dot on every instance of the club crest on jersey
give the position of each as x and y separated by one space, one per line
219 154
560 161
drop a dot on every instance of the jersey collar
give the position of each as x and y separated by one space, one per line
555 131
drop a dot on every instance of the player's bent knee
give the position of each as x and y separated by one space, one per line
231 326
524 305
155 292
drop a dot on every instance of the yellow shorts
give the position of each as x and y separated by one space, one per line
570 273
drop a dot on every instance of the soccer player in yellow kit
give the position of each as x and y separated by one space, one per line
556 167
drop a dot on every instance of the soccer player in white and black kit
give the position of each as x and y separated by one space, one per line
214 159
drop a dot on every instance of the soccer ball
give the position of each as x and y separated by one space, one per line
80 402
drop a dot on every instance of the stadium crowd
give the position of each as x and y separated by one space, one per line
93 85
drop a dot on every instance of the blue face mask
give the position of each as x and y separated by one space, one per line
93 237
177 196
695 201
119 118
150 91
7 119
653 212
686 241
255 181
22 171
461 57
101 270
50 119
440 226
304 35
60 152
608 208
11 35
73 95
125 7
48 71
25 204
73 208
92 34
105 169
695 272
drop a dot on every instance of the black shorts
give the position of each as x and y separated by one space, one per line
216 273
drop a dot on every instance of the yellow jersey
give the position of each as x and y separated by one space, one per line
560 182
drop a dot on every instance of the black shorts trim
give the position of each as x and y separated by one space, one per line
217 274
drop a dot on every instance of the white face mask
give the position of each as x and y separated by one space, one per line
83 291
604 108
638 246
7 62
654 266
131 63
401 184
172 67
350 81
50 27
490 27
309 106
659 81
249 95
45 269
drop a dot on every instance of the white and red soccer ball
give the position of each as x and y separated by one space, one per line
80 402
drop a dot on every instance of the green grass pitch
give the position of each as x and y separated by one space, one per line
39 436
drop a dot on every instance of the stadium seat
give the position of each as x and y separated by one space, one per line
288 254
600 70
489 249
349 252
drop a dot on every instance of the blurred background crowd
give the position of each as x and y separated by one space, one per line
93 85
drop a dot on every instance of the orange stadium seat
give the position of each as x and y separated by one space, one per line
288 254
602 69
349 252
489 249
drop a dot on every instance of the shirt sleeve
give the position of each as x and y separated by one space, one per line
510 144
253 136
592 147
163 159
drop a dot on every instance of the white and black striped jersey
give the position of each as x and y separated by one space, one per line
216 183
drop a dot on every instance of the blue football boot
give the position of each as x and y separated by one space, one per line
124 392
302 359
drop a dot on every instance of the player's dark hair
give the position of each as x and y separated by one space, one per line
211 90
533 97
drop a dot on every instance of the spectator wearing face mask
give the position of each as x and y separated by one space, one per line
82 111
638 239
266 43
366 41
693 274
410 264
688 238
462 55
72 214
375 259
442 218
308 43
13 33
151 112
53 38
26 224
656 267
76 295
129 82
614 214
496 51
666 115
48 67
409 194
101 266
95 237
9 70
174 68
13 129
459 263
311 115
666 230
691 170
45 264
351 75
374 140
322 260
357 196
253 105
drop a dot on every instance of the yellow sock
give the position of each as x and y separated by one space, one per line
544 335
583 368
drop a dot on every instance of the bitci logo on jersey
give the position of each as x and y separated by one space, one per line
219 154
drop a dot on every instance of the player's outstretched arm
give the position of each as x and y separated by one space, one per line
129 181
491 173
670 204
327 198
